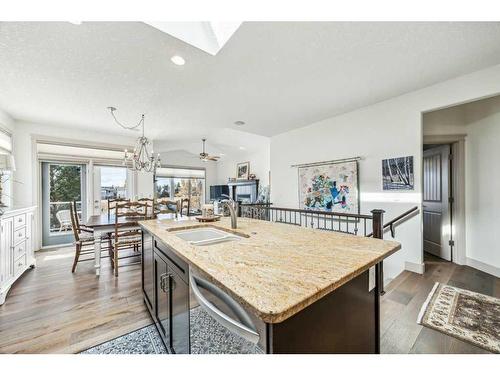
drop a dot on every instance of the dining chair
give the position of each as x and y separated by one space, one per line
185 200
166 206
112 203
150 202
84 238
124 238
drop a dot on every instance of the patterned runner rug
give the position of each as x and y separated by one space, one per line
207 337
466 315
142 341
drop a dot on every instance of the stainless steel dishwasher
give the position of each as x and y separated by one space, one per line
218 324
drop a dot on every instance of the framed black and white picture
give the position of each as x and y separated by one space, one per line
397 173
243 171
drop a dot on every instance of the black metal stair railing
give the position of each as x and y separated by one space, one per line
356 224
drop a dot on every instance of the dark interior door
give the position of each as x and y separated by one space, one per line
436 194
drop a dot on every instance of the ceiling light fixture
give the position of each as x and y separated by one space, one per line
242 148
142 158
239 123
204 156
178 60
75 22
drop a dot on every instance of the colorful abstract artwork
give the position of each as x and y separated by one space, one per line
397 173
331 187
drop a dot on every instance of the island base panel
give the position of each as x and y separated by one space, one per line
344 321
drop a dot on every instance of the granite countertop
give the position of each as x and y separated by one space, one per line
277 269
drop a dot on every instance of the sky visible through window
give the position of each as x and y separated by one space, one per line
113 176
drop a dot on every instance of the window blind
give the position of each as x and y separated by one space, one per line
180 173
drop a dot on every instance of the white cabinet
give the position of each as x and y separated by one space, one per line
17 239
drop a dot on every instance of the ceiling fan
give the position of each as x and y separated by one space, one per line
205 156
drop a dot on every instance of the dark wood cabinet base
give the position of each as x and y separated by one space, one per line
344 321
347 320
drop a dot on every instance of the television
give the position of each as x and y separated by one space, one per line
216 191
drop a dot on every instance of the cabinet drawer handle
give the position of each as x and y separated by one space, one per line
163 278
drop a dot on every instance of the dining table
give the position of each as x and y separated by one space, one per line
103 224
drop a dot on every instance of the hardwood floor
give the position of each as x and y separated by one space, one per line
51 310
405 295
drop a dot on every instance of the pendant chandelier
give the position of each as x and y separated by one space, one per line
142 158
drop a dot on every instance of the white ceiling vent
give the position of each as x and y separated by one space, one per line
207 36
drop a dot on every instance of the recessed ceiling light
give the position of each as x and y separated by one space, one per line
221 154
239 123
75 22
178 60
242 148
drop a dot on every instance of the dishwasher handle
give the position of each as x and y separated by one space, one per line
232 325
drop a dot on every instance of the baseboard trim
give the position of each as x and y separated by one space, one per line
488 268
415 267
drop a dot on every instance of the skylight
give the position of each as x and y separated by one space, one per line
207 36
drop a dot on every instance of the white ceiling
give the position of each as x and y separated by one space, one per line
275 76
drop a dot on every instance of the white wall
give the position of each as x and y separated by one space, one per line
259 165
387 129
480 122
6 121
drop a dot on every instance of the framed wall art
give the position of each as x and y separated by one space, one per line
397 173
330 187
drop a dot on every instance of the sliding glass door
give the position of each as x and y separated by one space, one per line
62 183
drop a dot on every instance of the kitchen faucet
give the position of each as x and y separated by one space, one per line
232 206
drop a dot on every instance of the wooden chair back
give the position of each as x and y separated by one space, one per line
185 200
132 211
150 202
164 206
74 213
74 223
113 202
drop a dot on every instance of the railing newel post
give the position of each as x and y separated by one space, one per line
378 232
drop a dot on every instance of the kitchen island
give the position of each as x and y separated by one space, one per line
289 289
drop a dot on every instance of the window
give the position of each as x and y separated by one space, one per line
6 148
182 183
113 184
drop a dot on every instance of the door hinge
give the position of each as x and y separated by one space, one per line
451 200
451 243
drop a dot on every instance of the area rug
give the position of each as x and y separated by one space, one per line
207 337
142 341
466 315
